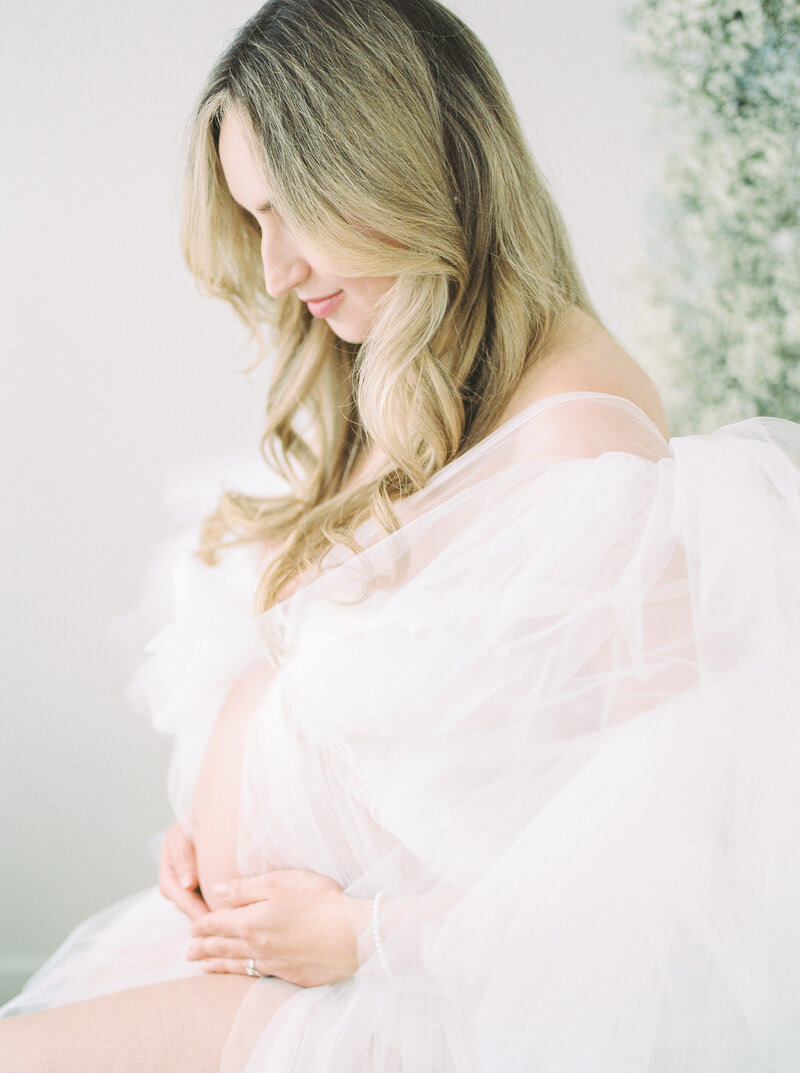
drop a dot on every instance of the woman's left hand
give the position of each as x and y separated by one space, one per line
292 922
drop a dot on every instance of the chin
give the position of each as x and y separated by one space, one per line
347 335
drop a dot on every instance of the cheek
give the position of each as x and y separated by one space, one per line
372 288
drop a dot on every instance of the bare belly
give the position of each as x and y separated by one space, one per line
215 808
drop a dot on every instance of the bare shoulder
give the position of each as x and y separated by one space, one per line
590 359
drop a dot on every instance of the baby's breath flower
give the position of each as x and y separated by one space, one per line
716 308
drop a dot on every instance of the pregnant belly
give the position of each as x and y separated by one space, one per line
215 807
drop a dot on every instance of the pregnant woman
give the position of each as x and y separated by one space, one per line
485 698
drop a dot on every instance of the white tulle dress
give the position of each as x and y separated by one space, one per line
556 716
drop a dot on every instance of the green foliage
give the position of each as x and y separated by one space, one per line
719 297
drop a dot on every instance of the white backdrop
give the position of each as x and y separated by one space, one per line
115 370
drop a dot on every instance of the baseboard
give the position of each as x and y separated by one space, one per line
14 971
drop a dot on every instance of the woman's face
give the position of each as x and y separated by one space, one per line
288 265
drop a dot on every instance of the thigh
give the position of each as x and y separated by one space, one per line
179 1026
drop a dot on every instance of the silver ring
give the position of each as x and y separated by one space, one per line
251 968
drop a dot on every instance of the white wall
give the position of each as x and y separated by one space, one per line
114 370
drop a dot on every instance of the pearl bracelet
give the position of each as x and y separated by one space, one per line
376 932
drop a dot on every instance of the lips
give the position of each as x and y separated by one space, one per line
322 307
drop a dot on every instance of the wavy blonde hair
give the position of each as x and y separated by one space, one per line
391 144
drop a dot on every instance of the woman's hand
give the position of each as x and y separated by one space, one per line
177 873
292 922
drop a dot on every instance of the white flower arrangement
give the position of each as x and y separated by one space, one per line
717 305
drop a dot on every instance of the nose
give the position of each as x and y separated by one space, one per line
284 265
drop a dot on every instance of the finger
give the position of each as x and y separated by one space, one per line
228 923
214 947
244 922
232 965
182 857
190 902
241 892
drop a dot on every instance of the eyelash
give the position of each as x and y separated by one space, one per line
252 217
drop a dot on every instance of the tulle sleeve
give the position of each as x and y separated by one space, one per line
193 634
573 727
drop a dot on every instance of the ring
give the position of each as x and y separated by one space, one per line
251 968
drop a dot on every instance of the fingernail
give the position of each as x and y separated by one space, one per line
221 889
188 880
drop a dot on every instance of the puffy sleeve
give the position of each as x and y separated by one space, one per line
193 634
577 716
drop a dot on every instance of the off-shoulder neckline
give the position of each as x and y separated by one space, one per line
562 396
523 415
467 456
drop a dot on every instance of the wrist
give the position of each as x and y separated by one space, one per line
359 912
376 932
398 928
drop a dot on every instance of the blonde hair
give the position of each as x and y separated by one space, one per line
391 144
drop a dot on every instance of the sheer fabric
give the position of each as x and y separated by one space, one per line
555 716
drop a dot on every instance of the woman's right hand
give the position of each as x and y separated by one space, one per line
177 873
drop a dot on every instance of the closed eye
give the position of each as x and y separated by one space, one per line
252 216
